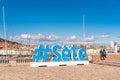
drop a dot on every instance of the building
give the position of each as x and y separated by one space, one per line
16 53
112 44
113 48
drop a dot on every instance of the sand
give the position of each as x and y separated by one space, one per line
80 72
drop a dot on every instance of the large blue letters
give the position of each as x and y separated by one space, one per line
59 53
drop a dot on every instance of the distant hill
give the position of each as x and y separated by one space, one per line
3 40
10 44
15 45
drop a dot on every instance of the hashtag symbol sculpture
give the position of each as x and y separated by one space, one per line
41 53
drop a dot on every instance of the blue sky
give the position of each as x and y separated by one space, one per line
63 18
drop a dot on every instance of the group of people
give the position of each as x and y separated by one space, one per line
102 54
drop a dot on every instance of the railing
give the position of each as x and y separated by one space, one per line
16 60
4 61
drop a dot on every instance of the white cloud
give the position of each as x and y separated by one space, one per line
40 38
105 36
52 37
93 38
25 36
90 39
72 38
35 38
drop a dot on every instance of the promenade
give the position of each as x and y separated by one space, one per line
80 72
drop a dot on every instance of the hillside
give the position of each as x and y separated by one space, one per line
3 40
10 44
14 45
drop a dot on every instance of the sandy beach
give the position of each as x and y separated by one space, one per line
79 72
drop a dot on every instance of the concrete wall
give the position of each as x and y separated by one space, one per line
110 57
